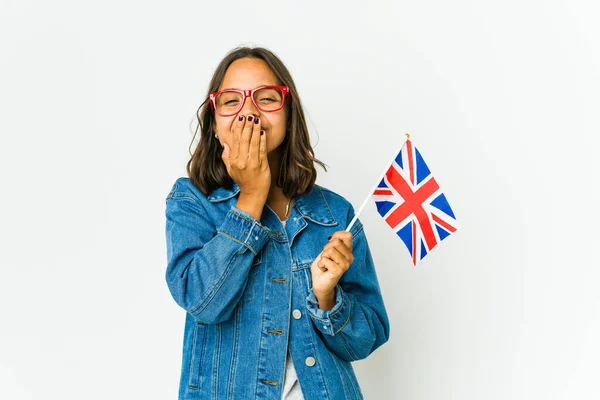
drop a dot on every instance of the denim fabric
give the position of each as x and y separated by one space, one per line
291 387
247 291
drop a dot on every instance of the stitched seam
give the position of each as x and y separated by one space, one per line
299 267
211 198
204 339
185 196
249 289
312 344
242 216
359 229
348 377
234 354
356 391
215 289
205 327
341 306
305 216
176 196
193 361
173 189
237 240
344 367
341 376
260 340
348 348
216 360
253 223
190 385
348 319
317 318
327 204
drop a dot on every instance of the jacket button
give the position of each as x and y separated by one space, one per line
297 314
310 361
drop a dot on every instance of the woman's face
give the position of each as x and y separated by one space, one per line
246 74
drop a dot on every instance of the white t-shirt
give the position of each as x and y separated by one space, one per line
291 385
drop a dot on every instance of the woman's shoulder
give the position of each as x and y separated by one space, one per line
341 208
339 205
332 197
184 188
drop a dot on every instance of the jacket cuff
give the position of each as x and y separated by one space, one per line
245 229
331 321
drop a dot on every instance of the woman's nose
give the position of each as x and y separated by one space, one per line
249 108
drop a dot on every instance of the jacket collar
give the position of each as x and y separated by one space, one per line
312 206
222 193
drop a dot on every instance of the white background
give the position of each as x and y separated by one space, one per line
97 101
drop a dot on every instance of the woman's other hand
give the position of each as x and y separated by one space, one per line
329 266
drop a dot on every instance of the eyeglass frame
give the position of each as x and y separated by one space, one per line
249 93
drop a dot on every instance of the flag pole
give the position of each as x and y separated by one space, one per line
387 166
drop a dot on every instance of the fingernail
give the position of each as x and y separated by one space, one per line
250 118
262 132
256 120
241 118
329 238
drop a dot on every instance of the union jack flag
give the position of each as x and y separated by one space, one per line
412 203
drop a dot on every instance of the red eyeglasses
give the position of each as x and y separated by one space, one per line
266 98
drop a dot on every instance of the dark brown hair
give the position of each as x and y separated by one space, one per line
297 173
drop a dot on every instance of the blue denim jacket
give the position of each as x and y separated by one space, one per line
247 289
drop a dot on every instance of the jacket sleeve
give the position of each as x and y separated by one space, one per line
207 266
358 322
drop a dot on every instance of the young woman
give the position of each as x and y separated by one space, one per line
279 298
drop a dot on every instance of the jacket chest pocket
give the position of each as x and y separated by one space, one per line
198 344
250 290
302 273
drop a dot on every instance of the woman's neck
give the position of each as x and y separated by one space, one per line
275 192
276 200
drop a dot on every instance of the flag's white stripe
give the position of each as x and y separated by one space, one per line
442 215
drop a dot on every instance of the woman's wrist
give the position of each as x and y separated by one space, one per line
326 301
252 205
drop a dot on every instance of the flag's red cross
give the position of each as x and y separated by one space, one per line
413 204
